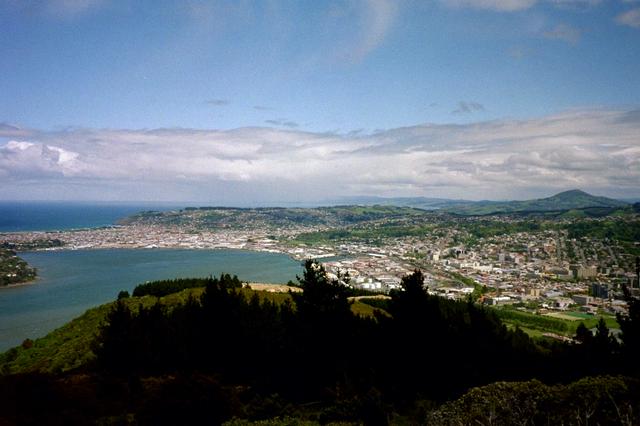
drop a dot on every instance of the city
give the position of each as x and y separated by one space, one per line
544 270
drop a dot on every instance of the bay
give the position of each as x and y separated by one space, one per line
70 282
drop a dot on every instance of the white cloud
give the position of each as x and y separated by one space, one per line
371 21
576 4
497 5
564 32
515 5
66 159
28 160
595 150
630 18
72 8
16 146
60 9
379 16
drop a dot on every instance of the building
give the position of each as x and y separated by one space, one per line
600 291
583 272
582 299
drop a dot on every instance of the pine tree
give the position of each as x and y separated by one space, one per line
321 296
112 346
630 327
583 334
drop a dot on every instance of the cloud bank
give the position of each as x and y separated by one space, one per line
596 150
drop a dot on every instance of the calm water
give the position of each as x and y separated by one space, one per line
72 281
48 216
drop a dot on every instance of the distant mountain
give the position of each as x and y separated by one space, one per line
423 203
630 200
564 201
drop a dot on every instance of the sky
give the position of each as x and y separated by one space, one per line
240 102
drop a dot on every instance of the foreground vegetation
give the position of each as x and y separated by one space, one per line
223 353
70 347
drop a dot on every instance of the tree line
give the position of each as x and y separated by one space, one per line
313 349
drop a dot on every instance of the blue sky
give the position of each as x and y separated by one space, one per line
83 80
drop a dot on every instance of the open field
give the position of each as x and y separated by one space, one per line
567 316
558 323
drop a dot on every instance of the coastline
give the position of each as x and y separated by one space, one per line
21 284
364 262
130 245
15 271
164 248
120 234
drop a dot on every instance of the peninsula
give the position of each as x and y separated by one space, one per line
13 269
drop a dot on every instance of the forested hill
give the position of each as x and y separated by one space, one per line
568 200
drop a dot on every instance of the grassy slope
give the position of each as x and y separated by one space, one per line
69 346
528 322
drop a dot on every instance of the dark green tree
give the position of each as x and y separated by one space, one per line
583 334
321 296
412 307
113 345
604 343
322 332
630 327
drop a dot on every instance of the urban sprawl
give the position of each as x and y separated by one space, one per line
543 269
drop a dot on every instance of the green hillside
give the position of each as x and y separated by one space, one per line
270 217
69 346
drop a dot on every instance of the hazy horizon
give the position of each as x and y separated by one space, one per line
345 200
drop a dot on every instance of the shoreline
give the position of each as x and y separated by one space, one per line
161 237
385 268
21 284
93 248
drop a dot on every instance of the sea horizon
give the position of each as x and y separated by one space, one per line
22 216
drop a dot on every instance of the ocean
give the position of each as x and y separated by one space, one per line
70 282
59 215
